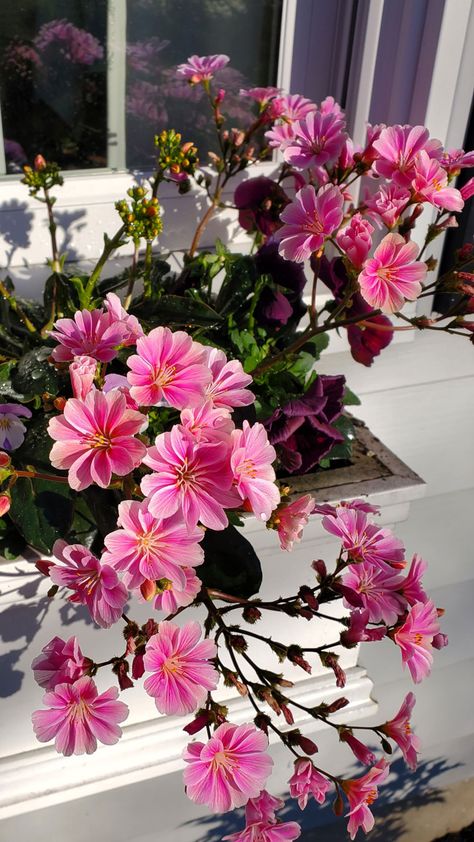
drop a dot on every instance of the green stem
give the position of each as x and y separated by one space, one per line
147 272
133 276
16 308
109 247
56 263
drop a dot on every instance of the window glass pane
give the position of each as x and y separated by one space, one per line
53 82
162 34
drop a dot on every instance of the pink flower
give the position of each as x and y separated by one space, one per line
82 372
202 68
358 631
355 239
117 313
279 137
12 430
93 584
392 274
260 95
430 184
251 463
95 439
415 639
230 768
361 793
291 107
208 423
389 203
309 219
266 832
359 750
90 333
171 595
59 663
378 588
363 541
318 138
399 729
397 147
227 387
467 190
290 520
78 717
412 588
263 808
120 383
181 674
77 45
190 477
306 781
168 366
453 160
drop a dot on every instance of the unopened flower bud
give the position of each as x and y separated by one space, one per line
330 660
59 403
251 614
289 718
440 641
238 642
44 566
320 569
121 671
148 589
262 721
5 460
295 655
202 719
5 503
39 163
150 628
307 595
333 707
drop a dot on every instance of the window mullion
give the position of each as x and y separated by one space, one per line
116 83
3 165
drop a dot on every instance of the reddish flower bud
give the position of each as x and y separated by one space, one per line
44 566
251 614
295 655
59 404
307 745
150 628
121 671
39 163
197 724
148 589
320 569
138 667
5 503
337 705
238 642
262 721
330 660
440 641
5 460
307 595
289 718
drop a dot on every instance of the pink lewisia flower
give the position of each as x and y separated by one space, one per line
467 190
306 781
266 832
358 631
318 138
397 147
93 584
82 372
78 717
279 137
12 430
120 383
363 541
399 729
392 274
290 520
251 463
453 160
361 793
378 588
227 387
95 439
168 366
359 749
171 595
412 587
355 239
263 808
89 333
309 219
208 423
60 662
190 477
388 203
147 547
415 639
230 768
181 674
117 313
291 107
430 184
260 95
202 68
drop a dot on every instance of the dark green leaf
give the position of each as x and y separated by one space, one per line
176 310
42 511
230 563
37 445
35 375
350 399
238 284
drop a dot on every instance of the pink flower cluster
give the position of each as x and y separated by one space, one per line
77 45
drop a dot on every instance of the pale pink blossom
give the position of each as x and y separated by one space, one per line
306 781
60 662
388 203
227 387
94 439
364 541
291 107
279 137
78 717
168 366
120 383
412 587
263 808
397 147
318 139
12 430
290 520
399 729
359 749
90 333
379 590
202 68
415 638
266 832
171 594
147 547
251 463
93 584
261 95
430 183
392 274
180 670
454 160
82 372
117 313
230 768
361 793
208 423
309 220
355 239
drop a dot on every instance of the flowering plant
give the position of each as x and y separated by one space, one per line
170 436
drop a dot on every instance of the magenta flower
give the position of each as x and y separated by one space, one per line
378 588
266 832
399 729
361 793
412 586
454 160
230 768
82 372
261 95
357 630
60 662
147 547
77 45
171 595
263 808
291 107
306 781
191 477
208 423
359 749
251 462
168 366
318 139
355 239
467 190
181 674
309 219
202 68
279 137
388 203
363 541
12 430
95 439
78 717
415 639
117 313
397 147
93 584
430 183
392 274
290 520
227 387
89 333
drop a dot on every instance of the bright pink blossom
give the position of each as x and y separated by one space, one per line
397 147
388 203
430 183
355 239
412 587
260 95
309 219
202 68
168 366
227 387
392 274
454 160
171 595
361 793
266 832
318 139
263 808
78 716
93 584
90 333
95 439
291 518
147 547
208 423
279 137
230 768
291 107
415 639
379 589
251 463
12 430
82 372
358 630
467 190
117 313
364 541
359 749
120 383
181 674
399 729
60 662
306 781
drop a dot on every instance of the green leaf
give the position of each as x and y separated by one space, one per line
238 284
350 399
230 563
42 511
176 310
37 445
316 345
35 375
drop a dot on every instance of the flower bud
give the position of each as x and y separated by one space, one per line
148 589
262 721
295 655
44 566
59 403
202 719
5 503
251 614
121 671
39 163
307 595
5 460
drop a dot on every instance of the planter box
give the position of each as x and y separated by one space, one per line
152 744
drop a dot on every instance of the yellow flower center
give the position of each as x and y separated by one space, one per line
164 376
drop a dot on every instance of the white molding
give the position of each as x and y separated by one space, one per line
116 83
286 49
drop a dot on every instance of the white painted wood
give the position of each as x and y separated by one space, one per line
116 83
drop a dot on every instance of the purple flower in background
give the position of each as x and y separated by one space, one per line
276 307
12 430
20 58
260 202
142 55
145 101
76 44
201 68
